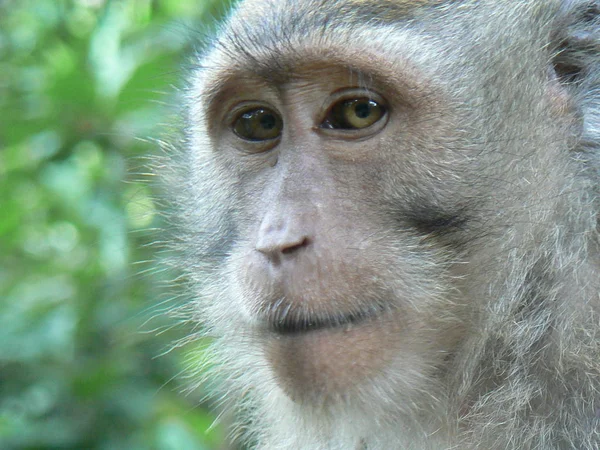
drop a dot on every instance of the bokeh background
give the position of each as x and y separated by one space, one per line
86 357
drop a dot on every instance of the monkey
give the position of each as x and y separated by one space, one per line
388 216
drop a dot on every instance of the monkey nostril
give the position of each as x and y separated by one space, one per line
284 247
286 250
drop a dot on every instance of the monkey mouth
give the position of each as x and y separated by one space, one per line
289 325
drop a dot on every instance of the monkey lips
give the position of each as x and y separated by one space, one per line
327 360
328 326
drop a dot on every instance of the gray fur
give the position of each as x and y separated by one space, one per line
520 244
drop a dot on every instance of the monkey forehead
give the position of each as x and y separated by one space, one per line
355 60
274 23
274 40
345 10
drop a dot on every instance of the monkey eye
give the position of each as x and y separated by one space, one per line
258 124
354 114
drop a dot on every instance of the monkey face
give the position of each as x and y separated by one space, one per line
333 277
382 210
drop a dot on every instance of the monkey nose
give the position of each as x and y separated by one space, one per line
277 241
273 247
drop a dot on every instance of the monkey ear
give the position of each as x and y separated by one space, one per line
577 44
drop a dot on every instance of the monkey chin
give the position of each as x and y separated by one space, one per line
330 364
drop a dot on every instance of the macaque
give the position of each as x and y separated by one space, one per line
388 212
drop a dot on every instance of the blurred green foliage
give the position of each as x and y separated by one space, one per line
84 86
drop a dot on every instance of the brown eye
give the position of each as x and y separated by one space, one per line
354 114
258 124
